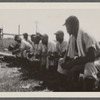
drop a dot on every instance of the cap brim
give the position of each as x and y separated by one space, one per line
25 33
64 24
55 33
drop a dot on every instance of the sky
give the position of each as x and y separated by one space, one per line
49 21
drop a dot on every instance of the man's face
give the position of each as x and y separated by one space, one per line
25 36
44 40
32 38
36 40
72 29
69 29
59 38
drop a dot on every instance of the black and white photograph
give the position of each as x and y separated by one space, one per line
50 50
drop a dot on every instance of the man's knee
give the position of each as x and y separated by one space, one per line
90 70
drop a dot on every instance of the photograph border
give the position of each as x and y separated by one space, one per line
50 1
46 94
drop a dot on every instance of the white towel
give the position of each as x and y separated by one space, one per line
71 45
79 43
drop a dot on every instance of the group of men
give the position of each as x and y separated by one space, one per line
80 55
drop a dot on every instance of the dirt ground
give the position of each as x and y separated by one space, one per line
14 78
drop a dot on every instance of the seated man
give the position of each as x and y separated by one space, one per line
24 46
36 45
61 45
30 54
47 53
80 55
35 55
25 37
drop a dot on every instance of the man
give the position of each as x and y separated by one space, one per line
47 53
61 45
24 46
35 55
25 37
80 55
36 45
48 50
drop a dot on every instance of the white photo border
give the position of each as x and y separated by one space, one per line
55 5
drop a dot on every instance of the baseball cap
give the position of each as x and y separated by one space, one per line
71 20
59 33
45 36
25 34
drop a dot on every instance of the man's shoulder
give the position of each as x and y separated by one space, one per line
64 42
83 32
25 43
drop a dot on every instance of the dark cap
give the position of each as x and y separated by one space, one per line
33 35
25 34
60 33
39 34
37 37
71 20
45 36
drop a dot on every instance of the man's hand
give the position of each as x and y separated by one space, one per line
51 57
67 65
15 51
30 55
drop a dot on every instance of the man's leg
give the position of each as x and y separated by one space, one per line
90 76
73 76
75 71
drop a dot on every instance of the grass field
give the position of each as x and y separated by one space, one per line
14 78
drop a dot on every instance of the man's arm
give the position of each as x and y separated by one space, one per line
15 51
90 57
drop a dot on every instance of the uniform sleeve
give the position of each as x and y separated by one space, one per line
64 47
22 46
91 54
57 48
88 41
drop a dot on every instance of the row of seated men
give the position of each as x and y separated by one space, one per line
80 55
40 48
